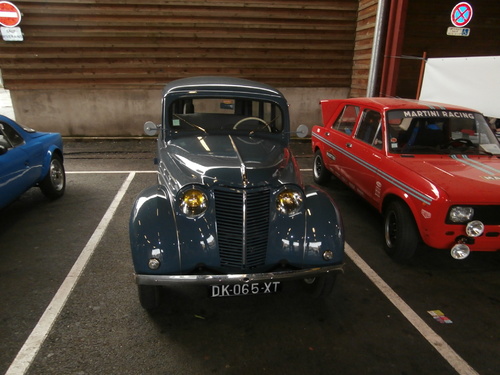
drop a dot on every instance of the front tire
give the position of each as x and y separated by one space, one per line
401 233
149 296
320 173
321 286
54 183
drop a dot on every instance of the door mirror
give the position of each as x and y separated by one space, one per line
150 128
302 131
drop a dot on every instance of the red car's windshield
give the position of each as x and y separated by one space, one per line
439 132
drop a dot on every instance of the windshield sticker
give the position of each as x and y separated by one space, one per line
438 113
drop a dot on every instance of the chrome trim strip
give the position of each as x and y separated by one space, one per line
398 183
243 169
164 280
223 85
244 244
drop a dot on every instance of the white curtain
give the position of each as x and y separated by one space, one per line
472 82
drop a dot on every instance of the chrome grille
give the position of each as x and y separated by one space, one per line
242 217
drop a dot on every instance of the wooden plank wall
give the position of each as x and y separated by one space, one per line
365 29
132 43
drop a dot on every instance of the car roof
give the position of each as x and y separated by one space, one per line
385 104
220 83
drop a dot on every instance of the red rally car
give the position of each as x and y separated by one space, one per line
431 169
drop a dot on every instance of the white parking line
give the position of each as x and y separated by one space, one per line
109 172
35 340
457 362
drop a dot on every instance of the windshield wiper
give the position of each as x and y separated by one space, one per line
190 124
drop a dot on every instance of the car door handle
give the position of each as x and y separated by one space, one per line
327 134
348 145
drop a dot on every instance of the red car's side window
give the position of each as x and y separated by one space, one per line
345 122
369 130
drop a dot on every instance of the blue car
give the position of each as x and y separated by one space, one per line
29 158
230 211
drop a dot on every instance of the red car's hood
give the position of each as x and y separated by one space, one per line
471 179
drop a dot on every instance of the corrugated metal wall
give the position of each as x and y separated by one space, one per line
131 43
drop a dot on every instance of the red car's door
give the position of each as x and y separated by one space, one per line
338 135
364 152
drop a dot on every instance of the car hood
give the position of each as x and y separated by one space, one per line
227 160
472 179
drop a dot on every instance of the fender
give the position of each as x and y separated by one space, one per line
53 149
417 207
302 238
324 228
153 232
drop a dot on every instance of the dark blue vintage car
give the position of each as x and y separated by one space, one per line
29 158
230 210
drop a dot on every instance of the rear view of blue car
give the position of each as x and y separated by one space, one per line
29 158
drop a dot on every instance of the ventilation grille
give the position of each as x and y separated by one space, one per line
242 226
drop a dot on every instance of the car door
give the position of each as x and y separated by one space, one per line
366 153
14 166
339 135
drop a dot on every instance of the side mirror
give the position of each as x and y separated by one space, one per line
3 150
150 128
302 131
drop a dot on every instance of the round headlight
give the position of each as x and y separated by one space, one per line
289 201
328 255
154 263
460 214
474 228
193 202
460 251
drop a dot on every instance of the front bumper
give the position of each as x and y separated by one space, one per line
164 280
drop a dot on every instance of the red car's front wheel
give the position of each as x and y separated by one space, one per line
320 173
401 233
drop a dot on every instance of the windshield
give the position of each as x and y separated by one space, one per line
439 132
225 115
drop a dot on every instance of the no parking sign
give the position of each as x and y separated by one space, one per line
461 14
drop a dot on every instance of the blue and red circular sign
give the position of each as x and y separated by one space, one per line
461 14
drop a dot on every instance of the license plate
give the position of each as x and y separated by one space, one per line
244 289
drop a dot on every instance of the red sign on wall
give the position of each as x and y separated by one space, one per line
10 16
